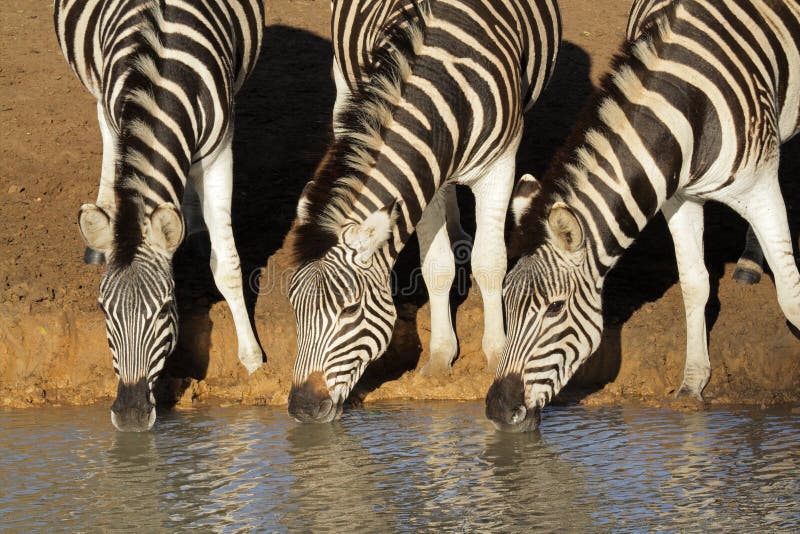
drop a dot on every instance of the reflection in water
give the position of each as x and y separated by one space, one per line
335 482
391 467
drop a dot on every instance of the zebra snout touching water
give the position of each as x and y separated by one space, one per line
430 95
694 109
164 74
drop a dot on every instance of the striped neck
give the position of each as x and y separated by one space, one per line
631 152
369 166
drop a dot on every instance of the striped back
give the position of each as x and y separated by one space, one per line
165 73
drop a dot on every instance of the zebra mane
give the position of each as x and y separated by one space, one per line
130 187
560 178
341 176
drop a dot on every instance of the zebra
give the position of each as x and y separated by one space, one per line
164 74
695 109
437 101
749 267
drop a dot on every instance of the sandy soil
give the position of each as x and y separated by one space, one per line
52 344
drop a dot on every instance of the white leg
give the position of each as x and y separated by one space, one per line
105 195
438 271
685 220
750 266
492 195
765 210
342 95
215 188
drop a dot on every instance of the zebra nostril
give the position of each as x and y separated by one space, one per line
518 415
323 409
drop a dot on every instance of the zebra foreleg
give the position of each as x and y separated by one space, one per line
215 187
750 266
438 271
765 210
492 195
105 194
685 220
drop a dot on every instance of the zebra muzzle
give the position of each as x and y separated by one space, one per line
505 406
310 401
132 410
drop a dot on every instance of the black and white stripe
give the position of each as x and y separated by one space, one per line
434 96
694 109
164 74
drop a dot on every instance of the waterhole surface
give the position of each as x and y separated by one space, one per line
401 467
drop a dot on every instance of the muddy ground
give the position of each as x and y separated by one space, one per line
52 343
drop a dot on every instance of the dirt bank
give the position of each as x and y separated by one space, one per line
52 343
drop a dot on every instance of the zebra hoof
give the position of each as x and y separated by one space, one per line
746 276
252 360
436 368
93 257
685 392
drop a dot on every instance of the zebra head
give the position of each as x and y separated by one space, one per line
553 314
137 297
344 314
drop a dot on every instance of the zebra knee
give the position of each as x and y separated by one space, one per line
440 273
695 288
489 268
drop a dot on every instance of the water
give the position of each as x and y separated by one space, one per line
401 467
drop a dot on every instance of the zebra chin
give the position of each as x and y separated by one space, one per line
132 410
506 409
310 401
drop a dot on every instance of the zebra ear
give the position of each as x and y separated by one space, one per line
372 234
166 228
526 190
95 225
565 228
302 204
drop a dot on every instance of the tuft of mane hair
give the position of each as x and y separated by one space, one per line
559 180
343 171
131 185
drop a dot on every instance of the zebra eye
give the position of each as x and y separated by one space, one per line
554 308
351 310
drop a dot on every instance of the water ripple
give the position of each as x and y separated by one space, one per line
401 468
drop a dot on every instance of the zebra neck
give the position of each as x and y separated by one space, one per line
630 162
392 181
152 168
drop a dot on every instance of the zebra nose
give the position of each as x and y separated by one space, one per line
310 402
132 410
518 415
505 406
133 420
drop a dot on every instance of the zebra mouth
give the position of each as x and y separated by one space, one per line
133 421
132 410
521 419
310 402
506 407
